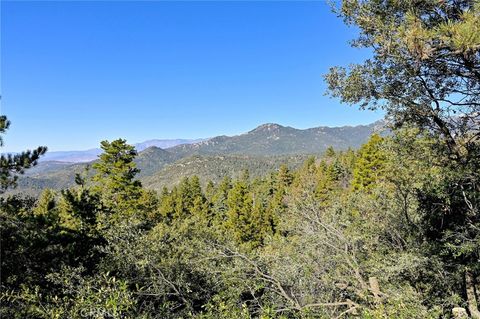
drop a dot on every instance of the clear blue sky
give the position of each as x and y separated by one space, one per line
76 73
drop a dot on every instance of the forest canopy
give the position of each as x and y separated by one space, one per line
391 230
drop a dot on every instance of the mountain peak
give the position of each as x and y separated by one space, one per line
153 149
267 127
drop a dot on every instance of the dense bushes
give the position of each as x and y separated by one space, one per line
339 237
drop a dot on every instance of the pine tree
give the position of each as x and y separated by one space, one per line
183 198
219 200
46 203
330 152
46 209
115 174
167 204
12 165
370 165
326 179
195 189
284 176
210 190
80 209
276 205
240 204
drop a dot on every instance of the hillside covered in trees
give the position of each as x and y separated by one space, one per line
343 234
260 150
388 230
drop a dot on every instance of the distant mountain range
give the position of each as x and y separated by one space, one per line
274 139
260 150
92 154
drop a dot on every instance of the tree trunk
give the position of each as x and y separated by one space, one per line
476 285
471 297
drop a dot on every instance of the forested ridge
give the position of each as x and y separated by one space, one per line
260 150
390 230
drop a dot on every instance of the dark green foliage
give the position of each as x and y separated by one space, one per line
11 165
370 165
215 168
390 231
240 221
115 173
424 71
424 68
451 219
297 243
